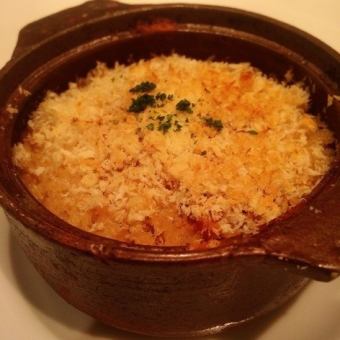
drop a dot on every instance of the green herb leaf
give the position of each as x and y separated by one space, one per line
253 132
144 86
161 96
184 105
141 103
213 123
165 125
150 126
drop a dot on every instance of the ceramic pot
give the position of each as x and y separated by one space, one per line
169 291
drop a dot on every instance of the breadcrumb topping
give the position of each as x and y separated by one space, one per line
173 151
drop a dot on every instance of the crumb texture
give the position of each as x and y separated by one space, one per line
173 151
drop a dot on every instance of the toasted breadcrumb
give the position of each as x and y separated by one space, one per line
126 176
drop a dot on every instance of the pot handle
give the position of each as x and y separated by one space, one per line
42 29
311 238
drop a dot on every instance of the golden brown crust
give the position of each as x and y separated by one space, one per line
242 152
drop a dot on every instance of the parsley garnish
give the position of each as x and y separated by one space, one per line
141 103
165 125
184 105
213 123
161 96
253 132
144 86
150 126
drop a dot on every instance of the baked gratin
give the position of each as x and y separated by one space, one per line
174 151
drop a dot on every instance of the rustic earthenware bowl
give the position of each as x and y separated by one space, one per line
169 291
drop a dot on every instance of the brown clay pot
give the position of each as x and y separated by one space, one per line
154 290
